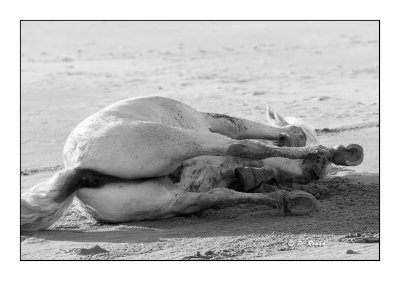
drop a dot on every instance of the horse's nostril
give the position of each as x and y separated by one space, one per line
284 140
274 181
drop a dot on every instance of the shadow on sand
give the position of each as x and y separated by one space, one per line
347 204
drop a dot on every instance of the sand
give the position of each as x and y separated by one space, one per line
326 73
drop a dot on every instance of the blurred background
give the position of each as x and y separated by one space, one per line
324 72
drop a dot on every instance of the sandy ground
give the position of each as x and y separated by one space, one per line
325 72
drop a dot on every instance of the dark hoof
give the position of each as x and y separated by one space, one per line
351 155
251 177
300 203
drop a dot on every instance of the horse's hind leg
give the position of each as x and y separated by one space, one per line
282 202
152 150
143 150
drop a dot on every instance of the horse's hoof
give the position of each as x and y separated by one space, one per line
300 203
251 177
351 155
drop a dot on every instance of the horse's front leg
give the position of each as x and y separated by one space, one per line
252 177
278 130
239 128
281 202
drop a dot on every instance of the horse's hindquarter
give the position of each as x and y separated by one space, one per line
130 201
118 140
159 110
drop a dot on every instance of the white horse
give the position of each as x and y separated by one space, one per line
154 157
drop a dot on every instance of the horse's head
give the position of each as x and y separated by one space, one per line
297 133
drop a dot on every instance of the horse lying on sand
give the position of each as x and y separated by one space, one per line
153 157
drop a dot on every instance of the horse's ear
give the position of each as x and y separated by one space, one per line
275 119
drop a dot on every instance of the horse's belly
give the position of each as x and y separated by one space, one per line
291 168
130 201
204 173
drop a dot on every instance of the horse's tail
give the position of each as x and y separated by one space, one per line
46 202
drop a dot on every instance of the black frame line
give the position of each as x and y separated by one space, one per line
230 20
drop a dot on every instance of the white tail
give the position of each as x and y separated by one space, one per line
38 212
45 203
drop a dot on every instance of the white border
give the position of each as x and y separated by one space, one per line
13 11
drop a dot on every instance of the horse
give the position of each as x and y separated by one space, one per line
150 158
